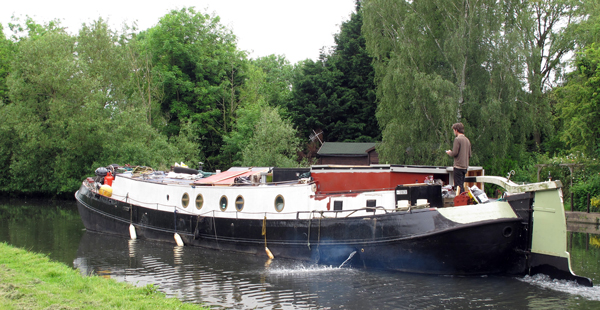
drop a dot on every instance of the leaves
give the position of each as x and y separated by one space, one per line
201 72
579 104
336 94
274 142
71 112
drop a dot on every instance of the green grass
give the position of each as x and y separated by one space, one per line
32 281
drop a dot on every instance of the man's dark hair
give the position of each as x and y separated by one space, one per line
459 127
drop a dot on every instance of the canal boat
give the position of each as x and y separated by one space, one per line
395 217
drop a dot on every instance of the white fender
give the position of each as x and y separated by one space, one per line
269 253
178 239
132 233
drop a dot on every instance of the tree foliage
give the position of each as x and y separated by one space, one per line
336 94
437 63
277 83
579 105
266 88
274 141
401 72
201 72
69 112
547 33
6 53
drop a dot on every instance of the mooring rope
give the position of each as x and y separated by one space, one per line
215 228
264 233
309 224
264 229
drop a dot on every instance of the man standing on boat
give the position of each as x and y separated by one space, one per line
461 151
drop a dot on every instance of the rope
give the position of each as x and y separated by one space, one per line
264 232
215 227
309 224
175 219
319 233
264 229
196 230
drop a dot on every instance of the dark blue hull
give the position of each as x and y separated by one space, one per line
421 241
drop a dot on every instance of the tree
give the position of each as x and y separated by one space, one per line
201 70
437 63
147 84
70 112
276 88
274 142
267 85
314 102
549 32
357 92
336 94
6 54
579 105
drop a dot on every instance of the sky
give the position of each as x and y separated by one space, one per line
296 29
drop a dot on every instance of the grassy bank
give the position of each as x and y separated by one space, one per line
32 281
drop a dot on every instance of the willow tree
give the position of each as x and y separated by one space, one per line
439 62
549 34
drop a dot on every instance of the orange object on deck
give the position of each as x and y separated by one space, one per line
108 179
462 200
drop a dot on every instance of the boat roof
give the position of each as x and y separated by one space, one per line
228 177
391 168
345 148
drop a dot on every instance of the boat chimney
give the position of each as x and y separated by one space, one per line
263 177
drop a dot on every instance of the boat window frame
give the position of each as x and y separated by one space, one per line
237 203
282 203
185 200
201 201
226 203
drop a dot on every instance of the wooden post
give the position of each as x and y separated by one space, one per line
570 246
587 242
588 202
571 201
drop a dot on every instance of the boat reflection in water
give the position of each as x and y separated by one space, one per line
238 281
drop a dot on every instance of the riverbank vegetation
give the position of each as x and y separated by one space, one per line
31 281
521 75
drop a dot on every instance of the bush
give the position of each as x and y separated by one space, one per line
589 185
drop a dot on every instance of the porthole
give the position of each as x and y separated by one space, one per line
223 203
507 232
185 200
199 201
239 203
279 203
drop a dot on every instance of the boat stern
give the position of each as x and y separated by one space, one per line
542 210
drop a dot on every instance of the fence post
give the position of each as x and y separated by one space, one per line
588 202
571 201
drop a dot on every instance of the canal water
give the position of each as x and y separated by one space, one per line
235 281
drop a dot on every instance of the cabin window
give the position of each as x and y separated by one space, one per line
279 203
239 203
185 200
223 203
199 201
337 205
371 203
